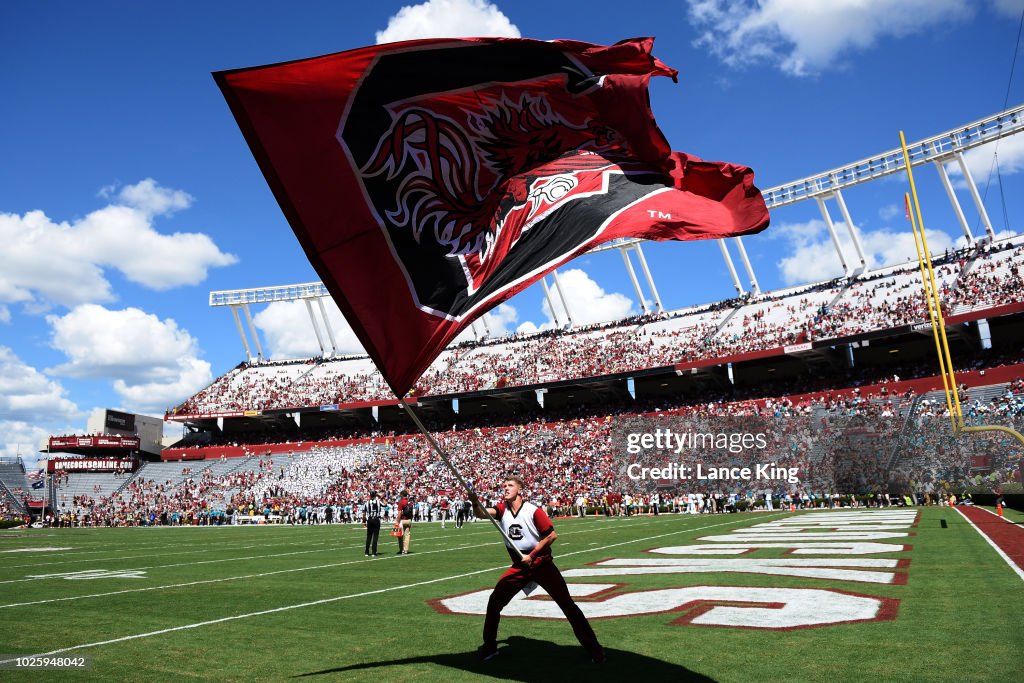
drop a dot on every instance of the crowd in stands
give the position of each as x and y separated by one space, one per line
8 510
572 466
838 438
987 275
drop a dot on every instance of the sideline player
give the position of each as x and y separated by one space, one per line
531 531
404 521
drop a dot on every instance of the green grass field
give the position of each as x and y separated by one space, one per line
277 603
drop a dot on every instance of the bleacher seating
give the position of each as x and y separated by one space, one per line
91 484
886 298
12 493
566 460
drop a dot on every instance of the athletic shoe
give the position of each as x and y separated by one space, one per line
598 656
486 652
366 554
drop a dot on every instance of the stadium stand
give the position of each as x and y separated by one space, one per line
298 450
13 487
970 280
569 462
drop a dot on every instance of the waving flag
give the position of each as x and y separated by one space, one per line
428 181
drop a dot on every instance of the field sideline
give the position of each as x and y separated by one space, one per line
276 603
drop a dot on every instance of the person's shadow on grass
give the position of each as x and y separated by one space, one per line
528 660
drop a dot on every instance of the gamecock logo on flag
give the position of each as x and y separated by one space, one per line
428 181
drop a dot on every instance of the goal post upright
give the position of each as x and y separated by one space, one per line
938 322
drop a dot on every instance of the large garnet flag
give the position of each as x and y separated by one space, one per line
428 181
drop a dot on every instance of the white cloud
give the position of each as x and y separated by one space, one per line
587 301
1010 152
26 439
890 211
5 315
123 238
289 333
168 388
528 327
153 363
151 198
447 19
961 241
498 321
1010 8
802 37
27 394
45 263
814 258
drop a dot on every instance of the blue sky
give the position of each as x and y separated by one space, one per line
127 193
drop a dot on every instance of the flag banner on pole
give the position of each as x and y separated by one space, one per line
35 475
430 180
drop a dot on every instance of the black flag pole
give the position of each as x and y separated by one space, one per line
447 461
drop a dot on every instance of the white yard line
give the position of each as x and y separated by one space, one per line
360 544
348 596
1017 570
327 549
234 578
204 550
429 539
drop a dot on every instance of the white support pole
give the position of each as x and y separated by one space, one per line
647 274
754 286
483 321
561 295
327 326
732 267
957 209
632 277
969 179
316 328
852 230
241 332
551 302
832 232
252 329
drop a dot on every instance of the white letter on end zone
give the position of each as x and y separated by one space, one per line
770 608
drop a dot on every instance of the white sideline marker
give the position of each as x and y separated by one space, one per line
1017 570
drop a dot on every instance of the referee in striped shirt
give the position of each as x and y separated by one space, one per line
371 518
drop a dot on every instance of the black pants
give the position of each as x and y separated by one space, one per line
372 532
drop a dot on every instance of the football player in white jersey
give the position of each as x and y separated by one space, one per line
530 529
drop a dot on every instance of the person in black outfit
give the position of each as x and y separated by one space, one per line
371 518
460 514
